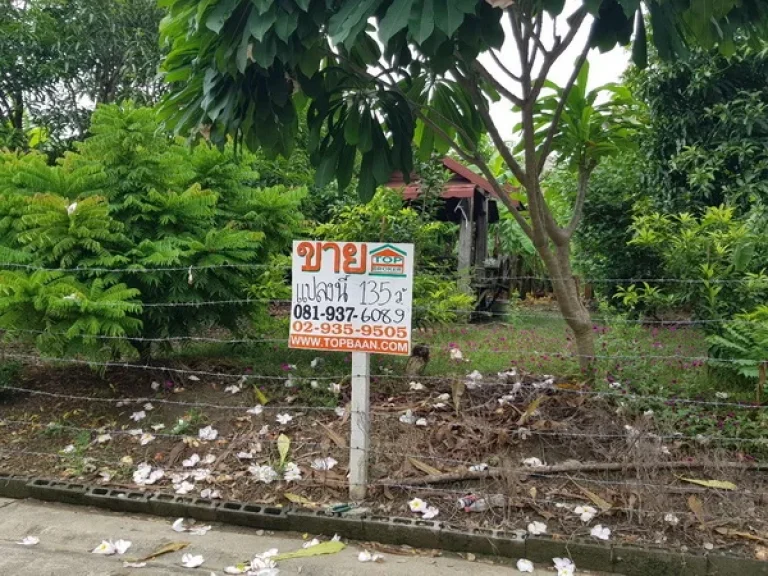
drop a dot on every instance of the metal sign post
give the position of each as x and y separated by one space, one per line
353 297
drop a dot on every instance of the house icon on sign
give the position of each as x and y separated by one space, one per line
387 261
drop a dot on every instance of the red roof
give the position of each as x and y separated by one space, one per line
461 185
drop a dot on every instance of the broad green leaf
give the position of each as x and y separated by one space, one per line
303 4
326 170
366 184
261 24
351 16
330 547
286 25
365 138
300 500
283 446
395 19
719 484
220 14
421 23
346 166
449 14
352 125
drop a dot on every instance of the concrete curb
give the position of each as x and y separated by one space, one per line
629 561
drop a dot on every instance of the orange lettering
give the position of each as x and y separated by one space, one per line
337 256
353 265
308 251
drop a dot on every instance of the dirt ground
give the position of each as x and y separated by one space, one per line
59 430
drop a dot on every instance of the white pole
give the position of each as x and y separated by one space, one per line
361 424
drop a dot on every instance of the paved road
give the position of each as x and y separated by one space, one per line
68 534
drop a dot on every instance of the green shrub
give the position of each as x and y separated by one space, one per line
135 200
741 345
9 375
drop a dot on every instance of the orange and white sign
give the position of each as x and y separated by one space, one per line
352 297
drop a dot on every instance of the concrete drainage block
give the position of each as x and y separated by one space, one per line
262 517
170 506
13 486
203 509
416 533
641 561
482 541
51 490
320 522
117 500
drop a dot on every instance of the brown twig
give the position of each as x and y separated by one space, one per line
564 468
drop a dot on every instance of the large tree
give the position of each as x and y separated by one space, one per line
380 75
59 58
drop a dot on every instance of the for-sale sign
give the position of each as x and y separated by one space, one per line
352 296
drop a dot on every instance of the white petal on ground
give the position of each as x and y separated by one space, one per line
289 383
239 569
417 505
456 355
444 397
313 542
138 416
479 467
135 432
68 449
340 411
191 462
199 530
179 526
146 438
155 386
208 433
315 362
149 407
201 474
292 472
408 417
284 418
324 464
334 387
106 548
564 566
601 532
102 438
265 474
232 389
210 494
134 564
158 427
336 538
314 384
721 395
533 462
245 455
366 556
586 513
256 410
192 561
672 519
430 513
121 546
536 528
209 459
524 565
146 475
422 422
184 488
416 386
29 541
193 378
474 376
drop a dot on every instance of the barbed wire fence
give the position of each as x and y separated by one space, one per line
479 442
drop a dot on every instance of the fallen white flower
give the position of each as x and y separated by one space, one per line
106 548
179 526
324 464
209 459
191 462
207 433
536 528
146 475
121 546
524 565
127 564
265 474
408 417
29 541
192 561
105 476
416 386
199 530
210 494
158 427
292 472
533 462
149 407
721 395
430 512
239 569
601 532
479 467
340 411
201 474
564 566
586 513
68 449
256 410
672 519
421 422
193 378
614 385
648 414
444 397
366 556
475 376
311 543
417 505
102 438
456 355
184 488
232 389
289 383
135 432
439 405
245 455
334 387
155 386
284 418
146 438
315 362
314 384
71 297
